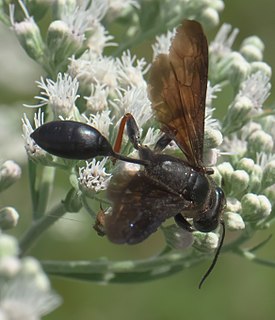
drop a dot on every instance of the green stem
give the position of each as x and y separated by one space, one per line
32 178
252 257
86 205
39 226
264 262
122 271
45 188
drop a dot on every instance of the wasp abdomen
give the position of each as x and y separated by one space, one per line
72 140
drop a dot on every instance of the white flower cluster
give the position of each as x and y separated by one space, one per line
248 138
25 291
99 89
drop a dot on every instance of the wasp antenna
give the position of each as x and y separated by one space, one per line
131 160
215 258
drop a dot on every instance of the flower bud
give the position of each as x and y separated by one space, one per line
217 177
259 141
9 266
73 201
226 170
8 218
270 193
233 205
239 181
8 246
251 53
269 174
233 221
177 238
10 172
238 70
30 38
31 268
255 178
217 5
205 242
61 42
254 41
212 138
238 113
245 164
210 17
263 67
252 49
255 207
255 173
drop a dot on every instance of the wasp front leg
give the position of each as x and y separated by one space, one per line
132 132
183 223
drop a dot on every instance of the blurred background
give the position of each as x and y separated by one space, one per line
236 289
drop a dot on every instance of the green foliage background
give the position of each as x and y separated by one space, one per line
237 289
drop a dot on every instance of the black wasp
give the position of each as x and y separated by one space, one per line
165 186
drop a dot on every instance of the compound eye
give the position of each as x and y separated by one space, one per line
209 220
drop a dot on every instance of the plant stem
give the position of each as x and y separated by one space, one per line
122 271
39 226
45 188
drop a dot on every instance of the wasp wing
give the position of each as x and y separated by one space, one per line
139 206
177 88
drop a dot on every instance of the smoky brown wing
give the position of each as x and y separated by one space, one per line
139 206
177 89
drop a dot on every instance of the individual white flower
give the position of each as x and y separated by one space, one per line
32 149
60 95
263 159
93 177
256 88
135 101
101 121
209 121
205 242
260 141
99 40
28 33
97 101
9 266
131 70
268 124
21 296
8 218
163 43
84 16
223 41
210 95
177 238
234 145
234 221
255 207
151 137
10 172
117 6
94 69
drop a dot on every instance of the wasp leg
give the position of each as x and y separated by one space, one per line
132 132
183 223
